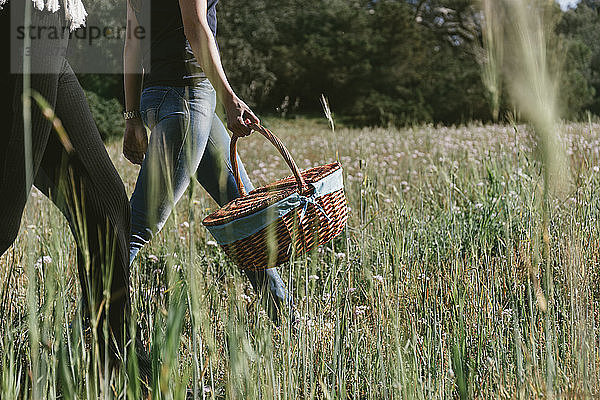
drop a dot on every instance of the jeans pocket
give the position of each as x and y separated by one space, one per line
151 102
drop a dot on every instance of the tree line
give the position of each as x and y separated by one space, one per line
382 62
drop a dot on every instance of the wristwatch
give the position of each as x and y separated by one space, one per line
131 114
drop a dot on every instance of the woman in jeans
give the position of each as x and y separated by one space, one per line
75 171
182 79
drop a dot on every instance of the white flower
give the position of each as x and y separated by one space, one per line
185 224
378 278
360 310
152 258
211 243
43 261
313 278
246 298
507 312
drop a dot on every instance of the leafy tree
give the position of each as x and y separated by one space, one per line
378 61
581 29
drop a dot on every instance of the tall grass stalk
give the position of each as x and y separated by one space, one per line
428 295
533 87
493 58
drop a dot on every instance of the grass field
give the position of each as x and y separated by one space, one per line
442 285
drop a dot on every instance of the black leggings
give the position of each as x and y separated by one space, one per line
76 174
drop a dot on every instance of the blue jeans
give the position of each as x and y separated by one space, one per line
188 139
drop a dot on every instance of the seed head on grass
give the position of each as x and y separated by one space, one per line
532 72
493 53
327 111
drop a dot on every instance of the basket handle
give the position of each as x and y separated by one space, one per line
278 145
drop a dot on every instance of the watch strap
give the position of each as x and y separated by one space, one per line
133 114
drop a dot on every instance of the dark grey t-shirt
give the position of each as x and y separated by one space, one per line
170 58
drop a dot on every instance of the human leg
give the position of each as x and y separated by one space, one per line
176 145
88 178
87 188
20 156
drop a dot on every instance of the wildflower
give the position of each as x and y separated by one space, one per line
340 255
246 298
152 258
43 261
211 243
378 278
507 312
360 310
185 224
595 168
351 290
313 278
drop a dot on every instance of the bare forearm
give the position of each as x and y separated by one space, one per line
133 89
205 49
202 41
132 76
132 64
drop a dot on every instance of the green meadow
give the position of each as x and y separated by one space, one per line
448 282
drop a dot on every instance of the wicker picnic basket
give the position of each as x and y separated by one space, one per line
260 229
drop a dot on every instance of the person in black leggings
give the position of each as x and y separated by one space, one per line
76 174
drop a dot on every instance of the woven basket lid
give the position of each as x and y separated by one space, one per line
267 195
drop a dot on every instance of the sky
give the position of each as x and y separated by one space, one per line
566 3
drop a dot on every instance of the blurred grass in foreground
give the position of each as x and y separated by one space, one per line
430 294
